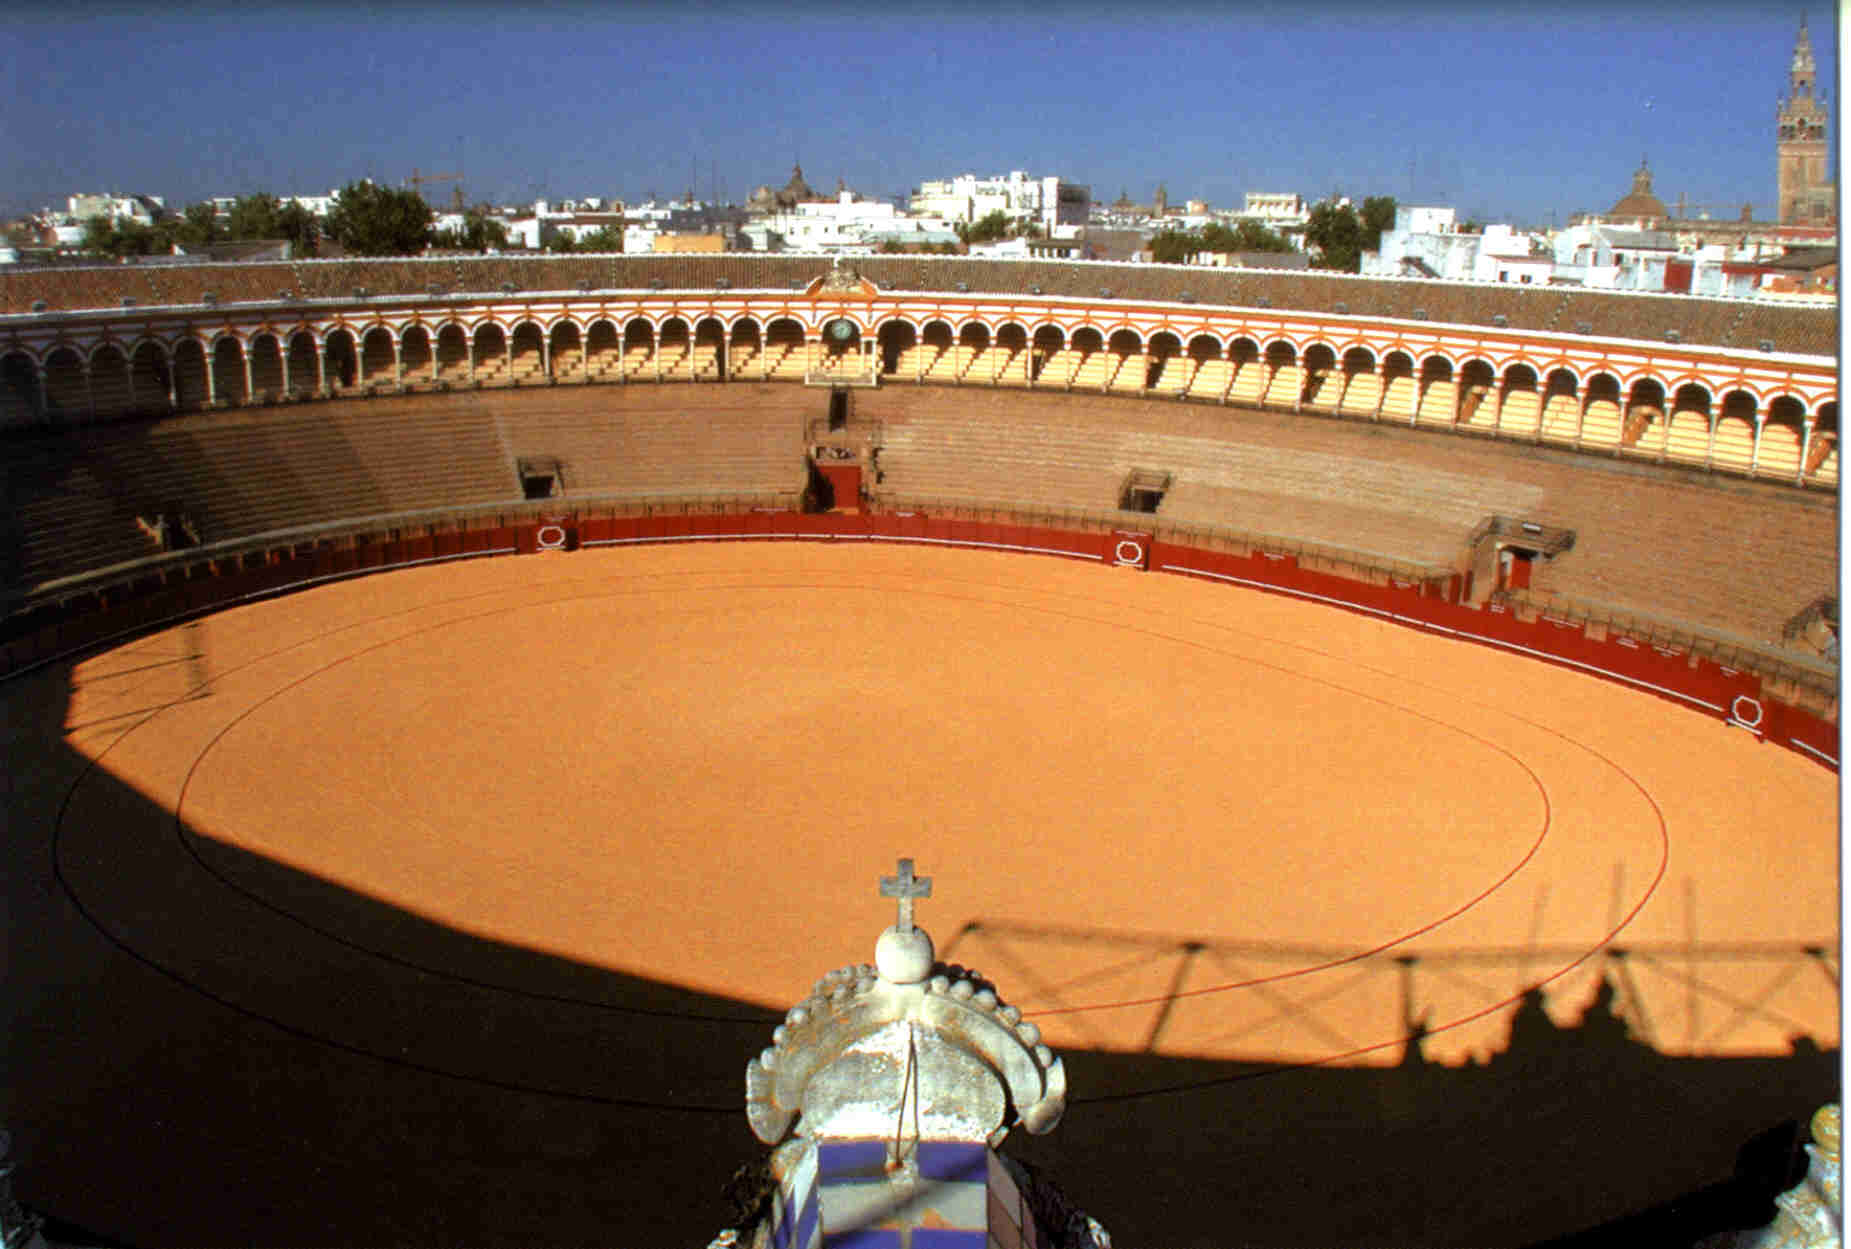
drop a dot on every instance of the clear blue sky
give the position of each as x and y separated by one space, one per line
1504 111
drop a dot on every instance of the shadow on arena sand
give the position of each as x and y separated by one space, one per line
208 1048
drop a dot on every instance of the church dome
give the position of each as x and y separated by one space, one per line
1640 202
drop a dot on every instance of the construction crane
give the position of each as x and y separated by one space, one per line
417 180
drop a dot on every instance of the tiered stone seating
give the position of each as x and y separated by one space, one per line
1286 384
704 362
377 362
1602 424
109 385
744 361
788 361
638 363
1092 372
1399 396
266 370
675 361
242 473
1212 380
1561 418
1696 553
1362 393
1059 368
1520 414
1478 409
568 361
1734 444
1687 437
1780 452
681 440
981 364
1439 403
1175 377
1249 382
1643 434
1011 365
1825 462
1125 373
1325 387
492 369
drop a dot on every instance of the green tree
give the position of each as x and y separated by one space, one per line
197 226
1378 215
254 217
479 233
987 229
1337 235
372 220
603 239
100 236
1174 247
298 225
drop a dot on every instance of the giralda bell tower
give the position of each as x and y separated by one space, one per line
1806 195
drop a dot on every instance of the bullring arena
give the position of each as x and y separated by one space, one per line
1304 759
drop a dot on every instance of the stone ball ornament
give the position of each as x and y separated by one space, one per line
904 957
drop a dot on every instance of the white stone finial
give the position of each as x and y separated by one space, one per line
904 953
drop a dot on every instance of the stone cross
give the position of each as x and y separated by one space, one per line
906 887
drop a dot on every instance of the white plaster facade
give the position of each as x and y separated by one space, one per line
137 208
1047 201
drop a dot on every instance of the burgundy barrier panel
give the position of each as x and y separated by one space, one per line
420 548
527 539
500 538
594 529
1786 726
371 555
1130 548
730 525
447 543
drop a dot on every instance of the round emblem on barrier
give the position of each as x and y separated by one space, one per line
1746 712
1129 552
551 538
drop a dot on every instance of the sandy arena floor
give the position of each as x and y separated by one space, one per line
691 763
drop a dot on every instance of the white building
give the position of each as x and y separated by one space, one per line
1424 242
1276 208
318 206
845 224
1611 258
138 208
1506 255
1047 201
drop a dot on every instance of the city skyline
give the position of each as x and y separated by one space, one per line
1505 115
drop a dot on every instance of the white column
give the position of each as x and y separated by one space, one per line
1754 458
250 382
212 389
